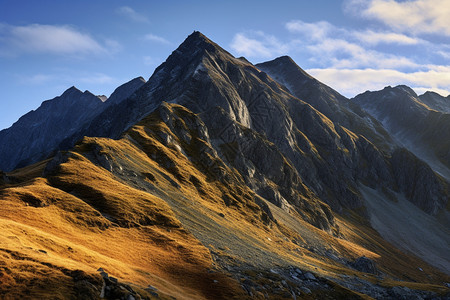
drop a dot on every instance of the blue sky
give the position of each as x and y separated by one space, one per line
351 45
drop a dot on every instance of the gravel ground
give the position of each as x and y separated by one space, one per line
409 228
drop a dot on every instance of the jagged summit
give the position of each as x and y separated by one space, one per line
222 175
435 101
71 90
288 65
406 89
328 101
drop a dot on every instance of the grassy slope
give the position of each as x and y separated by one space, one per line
150 216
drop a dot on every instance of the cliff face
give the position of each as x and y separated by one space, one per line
219 171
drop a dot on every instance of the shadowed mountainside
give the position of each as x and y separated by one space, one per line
213 180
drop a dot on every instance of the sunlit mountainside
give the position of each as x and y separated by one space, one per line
220 179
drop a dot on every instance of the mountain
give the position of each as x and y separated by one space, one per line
414 122
36 134
213 180
39 133
333 105
435 101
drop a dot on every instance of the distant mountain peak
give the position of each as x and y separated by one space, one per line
72 90
287 65
406 89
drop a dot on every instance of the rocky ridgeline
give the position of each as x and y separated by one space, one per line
41 132
422 123
293 154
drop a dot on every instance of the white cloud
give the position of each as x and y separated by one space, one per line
132 14
318 31
416 16
155 38
258 45
339 53
374 38
351 82
314 31
38 38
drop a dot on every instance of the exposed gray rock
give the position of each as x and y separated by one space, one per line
435 101
53 165
418 182
407 117
365 264
310 276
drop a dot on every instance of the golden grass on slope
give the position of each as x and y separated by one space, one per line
69 227
42 242
83 217
29 172
118 202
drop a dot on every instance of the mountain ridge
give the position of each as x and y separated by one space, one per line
215 180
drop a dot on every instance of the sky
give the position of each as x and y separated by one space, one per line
351 45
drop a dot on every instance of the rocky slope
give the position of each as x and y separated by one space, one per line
336 107
436 101
140 216
39 133
244 110
213 180
414 124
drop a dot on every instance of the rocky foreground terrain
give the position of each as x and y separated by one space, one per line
220 179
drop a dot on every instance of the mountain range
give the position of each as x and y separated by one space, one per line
220 179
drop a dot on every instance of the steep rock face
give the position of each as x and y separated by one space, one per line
125 90
39 133
405 116
36 134
286 151
90 126
418 182
336 107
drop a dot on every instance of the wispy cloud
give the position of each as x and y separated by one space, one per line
257 44
318 31
50 39
344 80
356 60
339 53
38 79
371 37
314 31
131 14
155 38
416 16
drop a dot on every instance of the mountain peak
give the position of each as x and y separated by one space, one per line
71 91
287 65
196 43
406 89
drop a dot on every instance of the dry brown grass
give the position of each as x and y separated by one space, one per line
83 217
